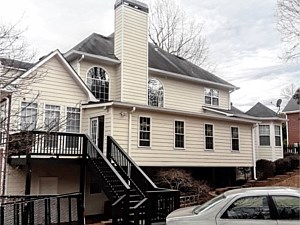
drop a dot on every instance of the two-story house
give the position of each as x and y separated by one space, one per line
124 93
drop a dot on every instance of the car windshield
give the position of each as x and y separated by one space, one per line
208 204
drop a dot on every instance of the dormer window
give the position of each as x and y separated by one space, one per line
155 93
98 83
211 96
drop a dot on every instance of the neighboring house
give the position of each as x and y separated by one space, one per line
292 112
162 110
268 138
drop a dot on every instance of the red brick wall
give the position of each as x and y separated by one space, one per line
294 127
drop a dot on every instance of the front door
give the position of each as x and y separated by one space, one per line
97 131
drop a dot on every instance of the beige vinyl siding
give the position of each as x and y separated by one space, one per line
131 47
54 86
264 152
187 96
74 64
95 112
162 152
112 71
15 179
278 153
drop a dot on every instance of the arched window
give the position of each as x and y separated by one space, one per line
155 93
98 83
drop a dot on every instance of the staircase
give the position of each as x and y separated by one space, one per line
135 199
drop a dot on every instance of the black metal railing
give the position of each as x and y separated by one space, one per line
46 143
292 148
160 201
112 183
41 209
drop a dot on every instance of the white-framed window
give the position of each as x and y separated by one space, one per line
73 120
144 131
264 135
235 142
52 117
155 93
28 115
211 96
209 136
179 134
277 135
98 83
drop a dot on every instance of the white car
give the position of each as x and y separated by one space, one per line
255 206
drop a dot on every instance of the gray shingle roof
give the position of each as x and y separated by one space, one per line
99 45
260 110
291 105
15 63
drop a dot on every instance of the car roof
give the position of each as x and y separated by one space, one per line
262 190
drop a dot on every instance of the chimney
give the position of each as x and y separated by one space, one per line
131 47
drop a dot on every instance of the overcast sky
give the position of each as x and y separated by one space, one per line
242 37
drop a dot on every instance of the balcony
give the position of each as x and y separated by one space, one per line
43 145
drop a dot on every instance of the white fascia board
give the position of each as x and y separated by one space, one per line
171 111
192 79
217 111
92 56
91 106
294 111
271 119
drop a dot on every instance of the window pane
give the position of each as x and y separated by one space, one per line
209 143
98 83
264 140
248 208
235 144
52 117
179 134
277 130
155 93
73 120
288 207
145 131
209 139
28 115
264 130
278 141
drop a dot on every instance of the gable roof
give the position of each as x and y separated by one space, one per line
66 65
292 105
262 111
159 59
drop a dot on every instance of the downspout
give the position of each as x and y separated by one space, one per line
129 140
7 145
254 150
129 130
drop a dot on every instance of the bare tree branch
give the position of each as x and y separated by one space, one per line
175 32
288 15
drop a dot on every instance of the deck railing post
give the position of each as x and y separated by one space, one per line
82 176
2 215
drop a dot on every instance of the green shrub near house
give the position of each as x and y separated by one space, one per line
265 169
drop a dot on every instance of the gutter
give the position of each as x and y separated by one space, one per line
192 79
88 55
170 111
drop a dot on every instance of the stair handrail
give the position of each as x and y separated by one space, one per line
107 162
110 138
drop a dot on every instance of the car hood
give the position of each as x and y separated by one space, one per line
188 211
